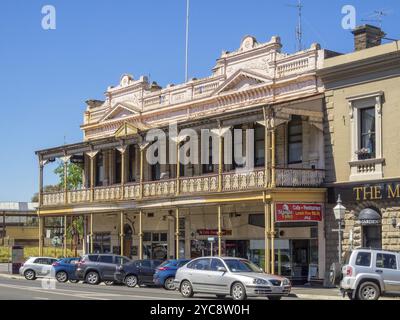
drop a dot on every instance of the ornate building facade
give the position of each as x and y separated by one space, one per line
273 214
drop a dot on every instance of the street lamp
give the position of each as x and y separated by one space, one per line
339 212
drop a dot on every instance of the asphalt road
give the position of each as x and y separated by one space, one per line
21 289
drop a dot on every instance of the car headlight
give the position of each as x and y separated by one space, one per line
260 281
286 282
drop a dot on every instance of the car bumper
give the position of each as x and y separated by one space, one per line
265 291
158 281
347 284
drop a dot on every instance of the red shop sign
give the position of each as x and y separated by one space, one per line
294 212
212 232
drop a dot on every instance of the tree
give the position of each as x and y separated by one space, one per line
74 176
75 232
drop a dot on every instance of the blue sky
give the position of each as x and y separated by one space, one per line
45 76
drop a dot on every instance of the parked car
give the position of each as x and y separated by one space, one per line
368 274
96 268
165 273
238 278
139 272
36 267
65 269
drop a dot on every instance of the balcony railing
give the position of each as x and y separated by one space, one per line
231 182
299 177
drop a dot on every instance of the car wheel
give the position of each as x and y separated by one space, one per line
109 283
368 291
275 298
30 275
169 284
186 289
131 281
220 296
74 281
238 292
92 278
61 276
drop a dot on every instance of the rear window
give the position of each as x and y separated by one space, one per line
167 263
363 259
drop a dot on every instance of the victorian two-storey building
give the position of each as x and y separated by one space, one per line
273 214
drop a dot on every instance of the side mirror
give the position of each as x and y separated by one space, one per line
221 269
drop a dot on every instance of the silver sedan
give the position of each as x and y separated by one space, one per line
238 278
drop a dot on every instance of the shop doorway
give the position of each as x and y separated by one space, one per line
372 237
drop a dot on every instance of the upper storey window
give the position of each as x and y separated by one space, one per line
367 133
295 140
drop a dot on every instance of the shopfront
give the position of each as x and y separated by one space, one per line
373 213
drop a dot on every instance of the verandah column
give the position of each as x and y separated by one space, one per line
121 234
41 235
272 234
140 235
219 231
267 255
122 150
273 157
65 160
65 236
92 156
91 233
177 233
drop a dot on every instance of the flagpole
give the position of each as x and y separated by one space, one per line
187 41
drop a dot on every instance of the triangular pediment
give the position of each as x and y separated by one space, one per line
241 80
126 130
121 110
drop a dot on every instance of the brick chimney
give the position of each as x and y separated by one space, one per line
367 36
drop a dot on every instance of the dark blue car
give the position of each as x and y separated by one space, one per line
64 270
165 273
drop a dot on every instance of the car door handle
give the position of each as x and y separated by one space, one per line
379 271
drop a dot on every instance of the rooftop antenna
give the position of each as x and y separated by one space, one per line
299 29
378 17
187 41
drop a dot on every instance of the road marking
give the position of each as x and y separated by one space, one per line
40 298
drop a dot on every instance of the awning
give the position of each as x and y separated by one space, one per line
369 216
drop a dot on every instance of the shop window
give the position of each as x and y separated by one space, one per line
386 261
295 140
102 242
156 237
163 237
259 146
363 259
147 236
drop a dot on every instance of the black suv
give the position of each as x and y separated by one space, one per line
96 268
139 272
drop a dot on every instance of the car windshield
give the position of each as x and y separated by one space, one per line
236 265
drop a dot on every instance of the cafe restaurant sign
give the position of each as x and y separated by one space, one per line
298 212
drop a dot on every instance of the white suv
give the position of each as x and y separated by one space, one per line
368 274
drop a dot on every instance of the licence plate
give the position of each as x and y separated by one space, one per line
277 289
